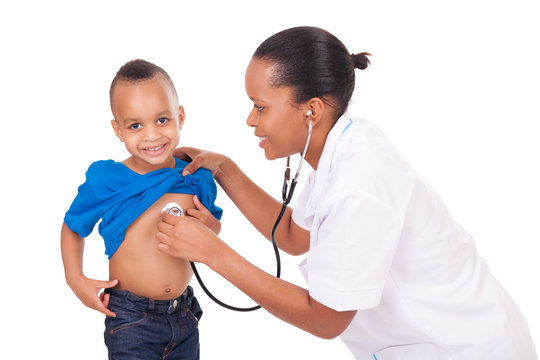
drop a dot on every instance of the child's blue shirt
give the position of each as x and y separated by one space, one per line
118 196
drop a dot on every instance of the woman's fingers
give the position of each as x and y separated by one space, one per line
164 248
161 238
184 152
199 159
193 166
168 219
192 156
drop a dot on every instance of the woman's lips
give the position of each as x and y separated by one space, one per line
262 140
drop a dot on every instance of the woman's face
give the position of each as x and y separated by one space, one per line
279 123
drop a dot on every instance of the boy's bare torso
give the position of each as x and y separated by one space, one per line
140 267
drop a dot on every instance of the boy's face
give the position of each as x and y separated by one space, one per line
148 120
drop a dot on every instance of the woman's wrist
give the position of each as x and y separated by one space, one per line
219 257
226 166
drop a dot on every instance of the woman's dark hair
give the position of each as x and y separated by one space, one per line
139 70
314 63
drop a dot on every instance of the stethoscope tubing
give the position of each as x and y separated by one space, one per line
287 193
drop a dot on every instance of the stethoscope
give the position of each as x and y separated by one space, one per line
287 193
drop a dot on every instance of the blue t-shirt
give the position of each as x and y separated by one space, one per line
118 196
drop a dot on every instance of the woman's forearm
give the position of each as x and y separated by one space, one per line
261 209
284 300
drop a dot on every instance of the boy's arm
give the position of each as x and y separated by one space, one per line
72 247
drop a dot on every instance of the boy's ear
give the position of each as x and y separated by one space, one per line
181 116
116 129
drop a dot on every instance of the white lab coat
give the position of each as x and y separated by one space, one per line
383 243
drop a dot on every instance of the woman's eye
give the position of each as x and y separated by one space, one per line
135 126
162 120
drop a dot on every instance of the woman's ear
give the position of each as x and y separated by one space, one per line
117 131
314 110
181 116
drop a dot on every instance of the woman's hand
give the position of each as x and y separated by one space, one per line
187 238
201 212
200 158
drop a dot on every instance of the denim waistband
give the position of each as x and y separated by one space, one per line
150 305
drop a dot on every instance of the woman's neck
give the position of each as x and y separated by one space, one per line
318 140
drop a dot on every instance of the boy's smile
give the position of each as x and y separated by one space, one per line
148 120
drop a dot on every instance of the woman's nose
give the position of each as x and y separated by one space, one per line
253 118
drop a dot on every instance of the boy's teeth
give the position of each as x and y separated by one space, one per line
156 148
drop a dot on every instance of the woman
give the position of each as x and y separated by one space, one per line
389 271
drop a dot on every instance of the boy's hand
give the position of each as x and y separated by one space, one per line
87 290
201 213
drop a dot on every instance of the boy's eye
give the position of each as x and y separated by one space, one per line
162 120
135 126
259 108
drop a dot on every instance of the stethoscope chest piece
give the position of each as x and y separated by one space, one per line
173 209
288 190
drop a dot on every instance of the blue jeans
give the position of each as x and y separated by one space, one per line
149 329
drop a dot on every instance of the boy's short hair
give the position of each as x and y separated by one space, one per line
139 70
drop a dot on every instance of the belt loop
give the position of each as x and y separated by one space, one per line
186 298
150 305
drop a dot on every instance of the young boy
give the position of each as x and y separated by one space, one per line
151 311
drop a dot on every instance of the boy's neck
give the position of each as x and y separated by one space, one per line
143 167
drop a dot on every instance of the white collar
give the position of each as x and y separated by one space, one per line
332 140
317 177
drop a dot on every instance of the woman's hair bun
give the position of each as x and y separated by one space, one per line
361 60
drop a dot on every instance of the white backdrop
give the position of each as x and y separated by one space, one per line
454 84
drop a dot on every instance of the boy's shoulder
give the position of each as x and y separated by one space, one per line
101 164
105 168
108 174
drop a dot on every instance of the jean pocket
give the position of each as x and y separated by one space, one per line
192 317
194 312
124 320
408 352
